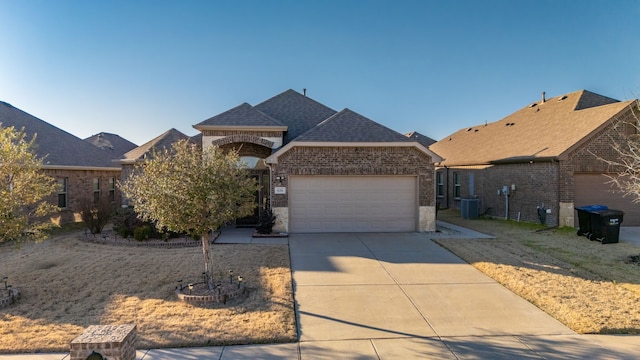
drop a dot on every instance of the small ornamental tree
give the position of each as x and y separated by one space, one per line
184 189
23 189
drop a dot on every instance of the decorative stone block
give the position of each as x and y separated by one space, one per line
566 214
114 342
282 219
427 218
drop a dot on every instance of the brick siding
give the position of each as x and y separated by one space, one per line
249 149
356 161
80 186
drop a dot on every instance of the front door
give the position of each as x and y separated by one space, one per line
261 199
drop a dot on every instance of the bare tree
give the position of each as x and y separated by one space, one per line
624 166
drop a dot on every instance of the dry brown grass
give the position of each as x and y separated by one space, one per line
588 286
68 284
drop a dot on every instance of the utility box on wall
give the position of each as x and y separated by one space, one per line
469 208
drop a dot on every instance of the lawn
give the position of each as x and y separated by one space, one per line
588 286
68 284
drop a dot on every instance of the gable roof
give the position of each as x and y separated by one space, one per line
349 126
60 148
296 111
422 139
115 145
541 130
163 141
243 115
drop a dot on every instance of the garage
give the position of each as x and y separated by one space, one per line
591 189
353 203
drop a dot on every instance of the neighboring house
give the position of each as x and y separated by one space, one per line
542 156
83 171
115 145
129 160
328 171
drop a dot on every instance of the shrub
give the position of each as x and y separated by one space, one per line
266 222
142 233
95 215
125 221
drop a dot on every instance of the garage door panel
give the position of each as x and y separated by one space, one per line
352 203
592 189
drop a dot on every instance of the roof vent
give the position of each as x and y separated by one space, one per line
543 97
532 105
562 97
469 129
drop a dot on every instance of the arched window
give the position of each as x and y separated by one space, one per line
253 162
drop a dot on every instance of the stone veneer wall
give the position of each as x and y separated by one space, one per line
114 342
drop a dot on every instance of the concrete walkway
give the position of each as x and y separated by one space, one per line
401 296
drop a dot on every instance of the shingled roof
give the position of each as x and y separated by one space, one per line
422 139
115 145
60 148
240 116
543 129
296 111
163 141
349 126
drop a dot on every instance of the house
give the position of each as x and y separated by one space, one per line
82 170
543 156
111 143
327 171
139 154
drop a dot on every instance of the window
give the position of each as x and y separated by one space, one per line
253 162
62 192
456 185
96 190
112 189
440 183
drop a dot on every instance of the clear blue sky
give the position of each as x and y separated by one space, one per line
139 68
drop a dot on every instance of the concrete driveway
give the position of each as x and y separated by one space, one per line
371 296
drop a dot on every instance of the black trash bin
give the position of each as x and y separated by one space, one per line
606 225
585 214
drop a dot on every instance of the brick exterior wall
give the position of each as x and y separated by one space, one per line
355 161
549 183
536 185
241 132
249 149
584 160
79 187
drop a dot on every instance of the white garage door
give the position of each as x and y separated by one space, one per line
352 203
592 189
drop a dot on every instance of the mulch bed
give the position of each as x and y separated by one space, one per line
110 237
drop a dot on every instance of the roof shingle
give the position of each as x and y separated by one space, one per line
241 115
115 145
296 111
58 146
163 141
541 130
349 126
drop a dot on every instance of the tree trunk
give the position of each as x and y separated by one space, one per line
206 251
